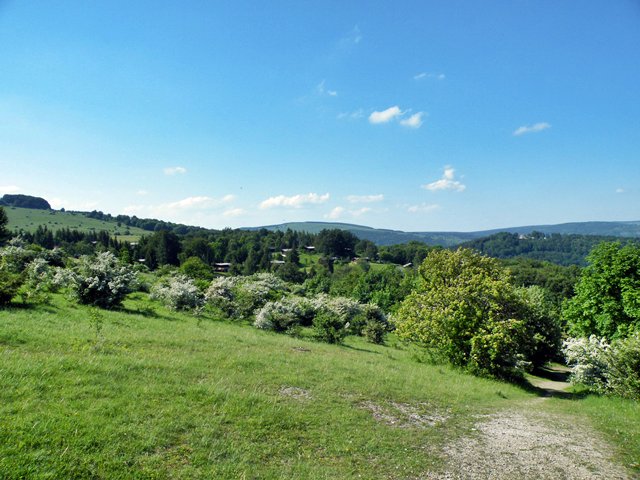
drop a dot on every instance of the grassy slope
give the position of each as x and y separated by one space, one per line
154 394
29 219
165 395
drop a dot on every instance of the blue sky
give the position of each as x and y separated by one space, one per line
414 115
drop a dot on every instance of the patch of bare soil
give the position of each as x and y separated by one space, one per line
405 415
296 393
530 445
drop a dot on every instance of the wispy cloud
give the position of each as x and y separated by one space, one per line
340 212
619 190
536 127
447 182
9 189
234 212
352 38
356 114
174 170
142 193
322 90
424 208
426 75
414 121
186 204
385 116
335 213
365 198
295 201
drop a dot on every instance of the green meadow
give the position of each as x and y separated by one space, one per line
144 392
29 220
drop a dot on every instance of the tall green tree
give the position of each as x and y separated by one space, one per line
607 299
5 234
467 311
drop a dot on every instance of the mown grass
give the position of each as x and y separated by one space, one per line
29 220
147 393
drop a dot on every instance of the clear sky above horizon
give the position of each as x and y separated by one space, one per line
414 115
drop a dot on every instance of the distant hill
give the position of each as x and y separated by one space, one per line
391 237
28 220
379 236
24 201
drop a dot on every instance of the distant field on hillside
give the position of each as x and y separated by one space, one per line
29 219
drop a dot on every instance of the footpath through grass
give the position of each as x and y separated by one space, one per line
147 393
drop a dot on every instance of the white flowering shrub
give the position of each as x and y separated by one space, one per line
15 256
588 361
240 297
38 280
284 314
178 292
102 280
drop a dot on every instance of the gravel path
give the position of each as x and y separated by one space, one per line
531 445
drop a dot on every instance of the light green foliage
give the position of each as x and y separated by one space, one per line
102 281
195 268
607 300
178 292
543 330
468 311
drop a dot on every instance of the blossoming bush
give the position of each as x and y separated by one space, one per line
612 369
588 360
101 280
241 297
178 292
38 280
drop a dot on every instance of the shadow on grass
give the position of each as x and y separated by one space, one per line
351 347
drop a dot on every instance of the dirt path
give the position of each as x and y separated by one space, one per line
530 444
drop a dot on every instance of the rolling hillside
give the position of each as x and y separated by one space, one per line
28 220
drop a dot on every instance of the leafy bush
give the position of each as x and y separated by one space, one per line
467 310
329 327
376 324
178 292
9 285
623 375
38 280
587 357
102 281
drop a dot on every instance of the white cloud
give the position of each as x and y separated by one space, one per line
360 211
335 213
174 170
4 189
365 198
295 201
414 121
619 190
234 212
447 182
200 202
424 75
536 127
186 204
58 203
385 116
142 193
424 208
